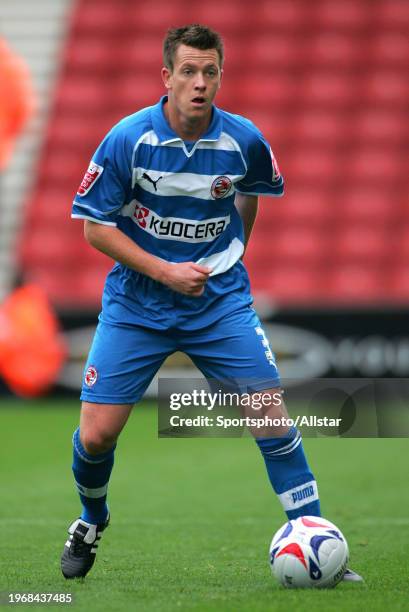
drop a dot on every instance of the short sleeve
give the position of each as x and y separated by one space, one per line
263 176
106 184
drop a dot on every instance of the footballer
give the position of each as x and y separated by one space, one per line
171 195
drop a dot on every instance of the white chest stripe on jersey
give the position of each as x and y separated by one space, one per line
174 228
223 260
180 183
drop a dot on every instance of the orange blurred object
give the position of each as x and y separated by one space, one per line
32 351
16 100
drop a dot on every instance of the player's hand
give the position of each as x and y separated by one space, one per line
188 278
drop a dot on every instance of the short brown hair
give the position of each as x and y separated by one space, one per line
193 35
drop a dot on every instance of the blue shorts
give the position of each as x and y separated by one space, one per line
124 359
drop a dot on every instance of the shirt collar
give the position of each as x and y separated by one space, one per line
166 134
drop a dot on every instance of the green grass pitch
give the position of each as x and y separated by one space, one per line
192 519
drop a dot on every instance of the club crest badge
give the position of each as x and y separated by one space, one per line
91 376
221 186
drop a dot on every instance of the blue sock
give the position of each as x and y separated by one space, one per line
290 474
91 473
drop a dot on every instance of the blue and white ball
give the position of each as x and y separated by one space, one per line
309 552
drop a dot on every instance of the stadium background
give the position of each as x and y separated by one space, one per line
326 81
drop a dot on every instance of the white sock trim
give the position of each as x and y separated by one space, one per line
92 493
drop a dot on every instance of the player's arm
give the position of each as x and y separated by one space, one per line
247 205
188 277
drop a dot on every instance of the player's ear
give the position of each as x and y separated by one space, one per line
166 77
221 75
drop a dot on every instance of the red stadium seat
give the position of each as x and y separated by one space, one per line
98 16
380 127
44 248
348 15
90 55
263 92
226 17
312 165
78 133
277 126
279 15
73 288
141 54
326 89
370 205
52 205
374 165
312 206
302 245
354 284
288 285
90 282
360 244
400 236
83 95
156 17
393 14
391 48
280 51
397 284
133 93
387 88
331 49
64 168
313 127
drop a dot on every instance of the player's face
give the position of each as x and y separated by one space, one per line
194 81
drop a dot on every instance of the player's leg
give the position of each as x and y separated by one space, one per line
121 364
283 453
93 458
287 467
94 443
236 349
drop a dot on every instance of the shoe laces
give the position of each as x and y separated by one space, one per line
81 548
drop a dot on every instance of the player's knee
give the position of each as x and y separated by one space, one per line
97 441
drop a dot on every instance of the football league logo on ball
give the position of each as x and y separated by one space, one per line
91 376
221 186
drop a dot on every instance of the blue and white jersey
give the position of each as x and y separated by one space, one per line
173 198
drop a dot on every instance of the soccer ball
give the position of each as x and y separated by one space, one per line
309 552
